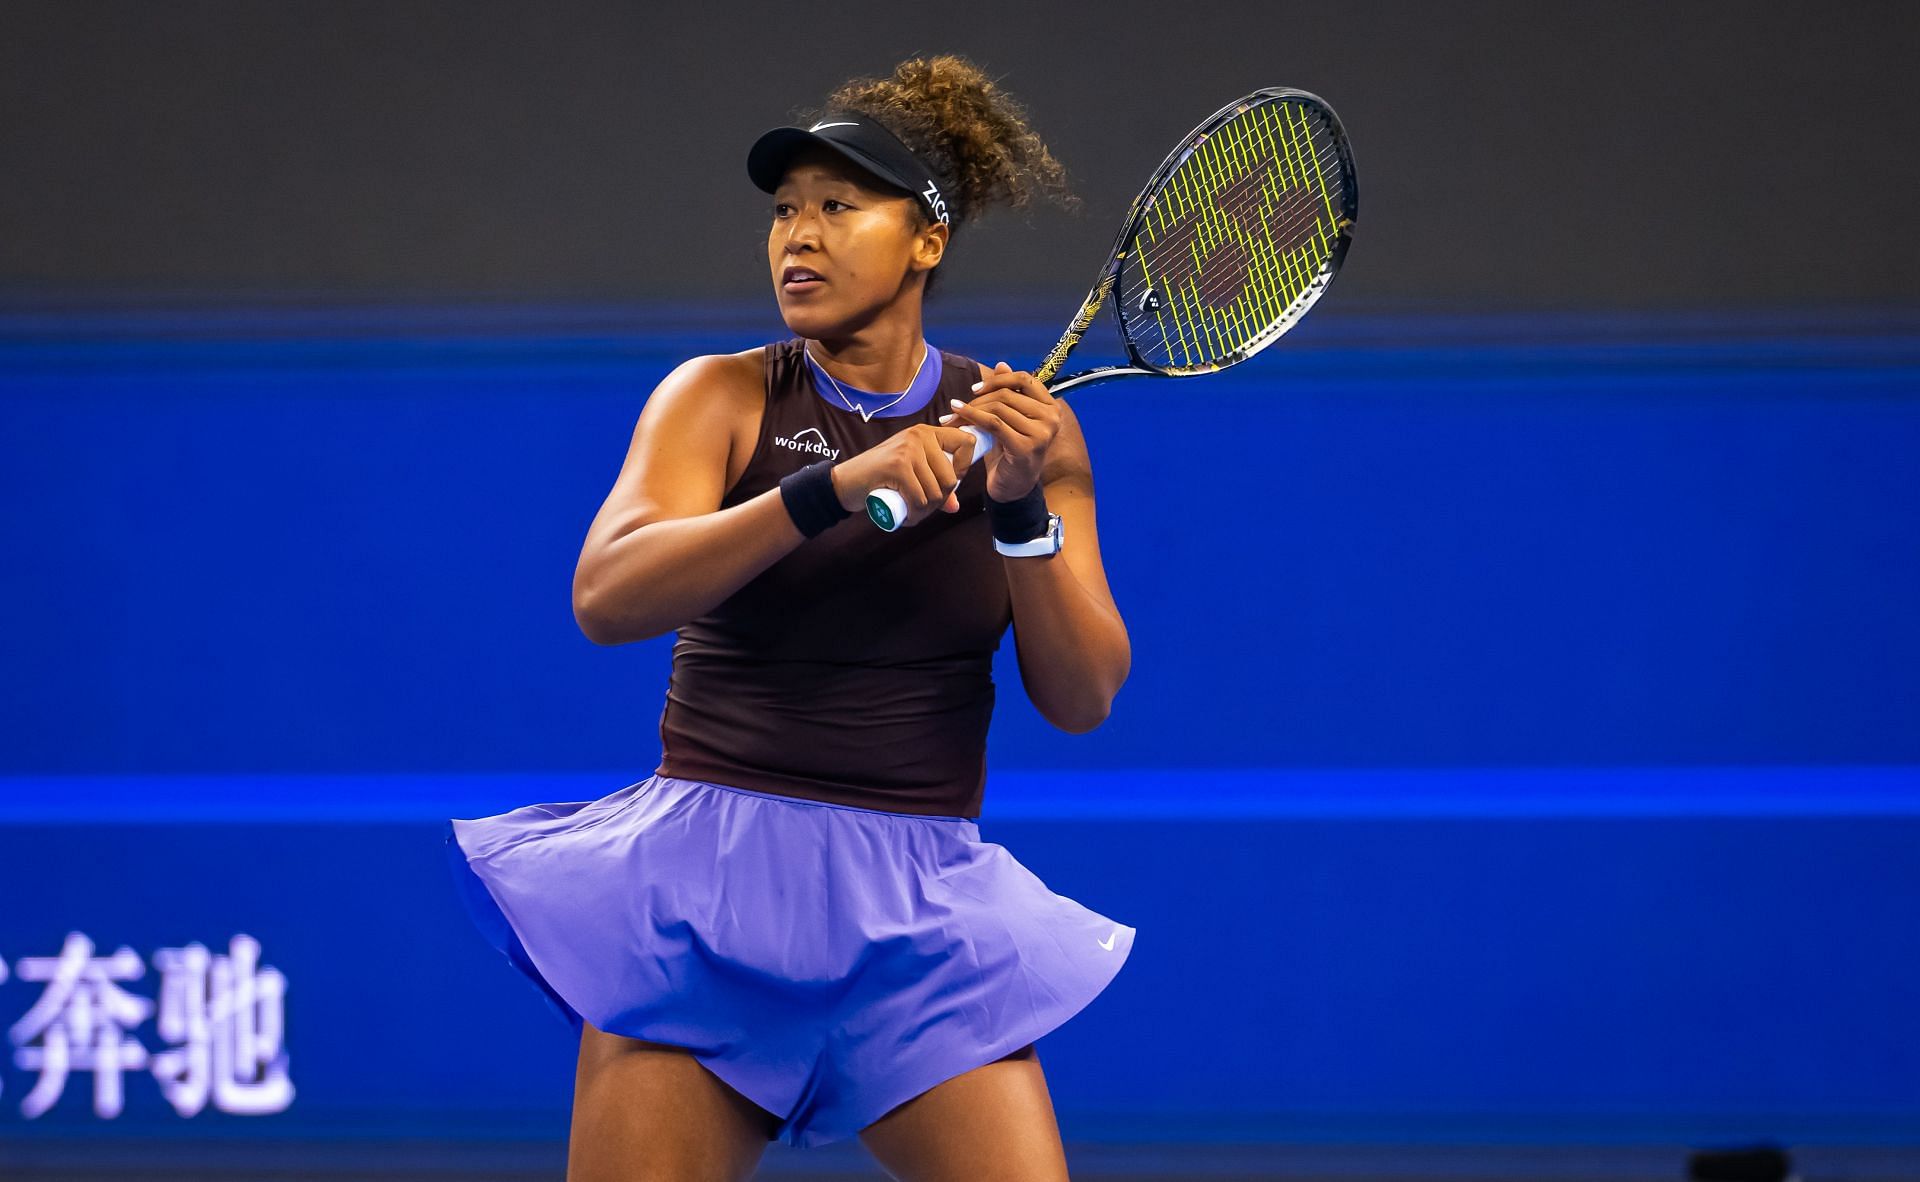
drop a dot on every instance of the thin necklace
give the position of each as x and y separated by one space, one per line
865 414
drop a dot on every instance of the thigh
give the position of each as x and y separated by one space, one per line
645 1112
992 1124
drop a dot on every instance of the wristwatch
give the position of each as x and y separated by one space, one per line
1047 543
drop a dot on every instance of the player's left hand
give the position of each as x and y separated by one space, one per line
1023 418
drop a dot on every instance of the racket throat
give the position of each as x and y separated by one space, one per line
1099 374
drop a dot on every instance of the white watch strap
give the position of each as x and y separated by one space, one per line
1044 544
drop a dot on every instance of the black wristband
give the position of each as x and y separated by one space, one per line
1019 521
810 498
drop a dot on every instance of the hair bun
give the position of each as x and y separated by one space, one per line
967 128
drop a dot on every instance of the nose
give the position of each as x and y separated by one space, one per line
803 231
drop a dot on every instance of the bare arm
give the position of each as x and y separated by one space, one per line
1072 644
661 551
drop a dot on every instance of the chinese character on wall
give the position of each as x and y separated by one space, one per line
222 1018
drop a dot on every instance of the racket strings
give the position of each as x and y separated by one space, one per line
1227 277
1240 234
1251 201
1233 199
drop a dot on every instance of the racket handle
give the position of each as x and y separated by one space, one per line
887 509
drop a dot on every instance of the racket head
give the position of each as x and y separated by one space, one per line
1237 234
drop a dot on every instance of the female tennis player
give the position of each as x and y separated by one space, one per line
792 930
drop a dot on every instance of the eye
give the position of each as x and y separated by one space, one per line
834 201
781 208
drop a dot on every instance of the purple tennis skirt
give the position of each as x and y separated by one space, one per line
827 962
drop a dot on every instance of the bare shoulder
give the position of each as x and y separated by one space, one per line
735 378
687 442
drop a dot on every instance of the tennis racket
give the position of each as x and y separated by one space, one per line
1233 239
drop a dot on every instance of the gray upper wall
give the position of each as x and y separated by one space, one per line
1517 155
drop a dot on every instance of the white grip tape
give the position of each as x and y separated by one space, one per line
891 509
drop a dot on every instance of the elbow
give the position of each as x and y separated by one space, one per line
592 628
1088 715
1080 725
612 608
1077 718
606 629
590 619
1084 717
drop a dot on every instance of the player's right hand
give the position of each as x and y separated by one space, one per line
923 463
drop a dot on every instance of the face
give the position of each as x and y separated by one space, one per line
843 246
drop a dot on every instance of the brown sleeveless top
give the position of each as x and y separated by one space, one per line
856 670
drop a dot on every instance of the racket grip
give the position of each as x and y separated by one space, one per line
887 509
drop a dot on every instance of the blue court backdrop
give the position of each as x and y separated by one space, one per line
1522 741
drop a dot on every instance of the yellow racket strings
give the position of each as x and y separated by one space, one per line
1241 231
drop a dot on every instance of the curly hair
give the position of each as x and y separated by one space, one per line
956 119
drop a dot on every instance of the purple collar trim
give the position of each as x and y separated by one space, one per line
870 405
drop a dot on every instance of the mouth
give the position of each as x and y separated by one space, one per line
800 279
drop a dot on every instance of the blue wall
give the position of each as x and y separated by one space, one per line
1558 544
1520 741
1321 975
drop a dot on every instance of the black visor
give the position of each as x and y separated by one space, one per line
860 140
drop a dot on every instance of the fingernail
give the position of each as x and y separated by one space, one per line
977 385
956 401
944 418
